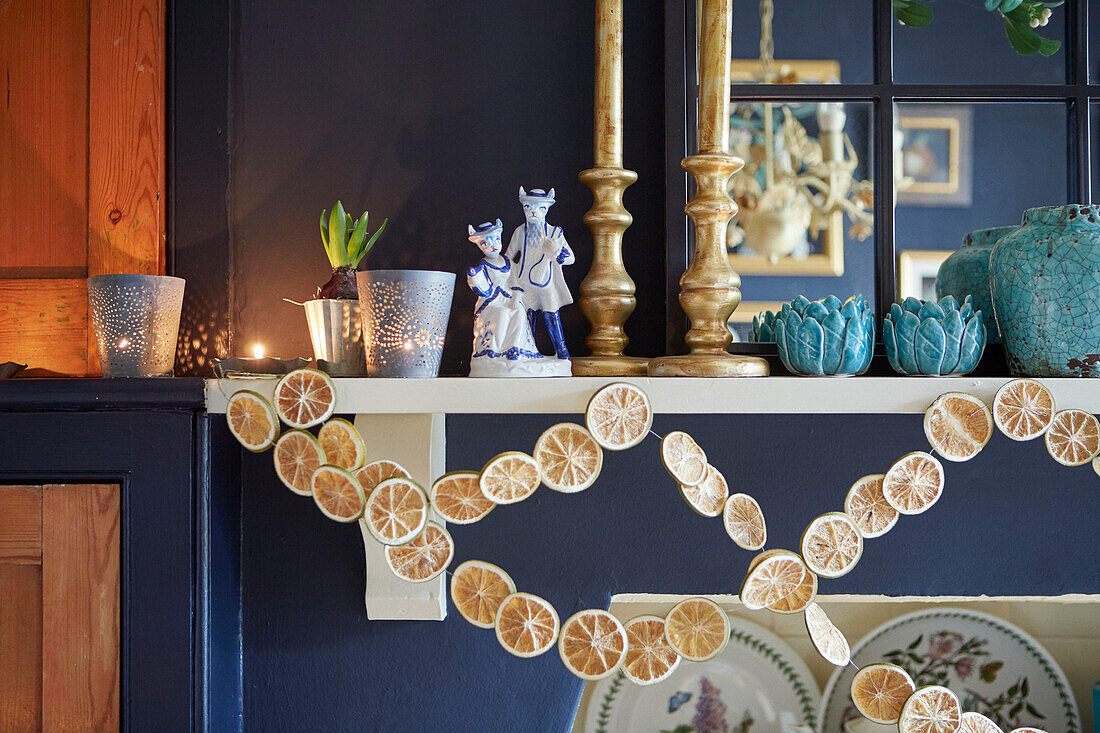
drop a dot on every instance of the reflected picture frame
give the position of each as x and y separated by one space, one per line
829 261
935 155
917 270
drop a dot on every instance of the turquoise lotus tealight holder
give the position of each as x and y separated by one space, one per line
763 327
825 337
934 338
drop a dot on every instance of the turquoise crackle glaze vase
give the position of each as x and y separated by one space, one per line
934 338
1045 280
825 337
966 272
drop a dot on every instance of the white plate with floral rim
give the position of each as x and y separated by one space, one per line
995 668
757 684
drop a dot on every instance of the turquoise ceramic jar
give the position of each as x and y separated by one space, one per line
1045 281
966 272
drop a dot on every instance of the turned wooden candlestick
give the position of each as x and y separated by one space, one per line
607 292
709 289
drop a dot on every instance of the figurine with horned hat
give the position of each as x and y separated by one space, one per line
538 251
503 343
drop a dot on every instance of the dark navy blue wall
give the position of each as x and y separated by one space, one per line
313 661
431 115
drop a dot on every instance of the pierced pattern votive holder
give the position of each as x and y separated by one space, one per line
405 314
136 320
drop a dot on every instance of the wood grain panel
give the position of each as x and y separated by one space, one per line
126 137
21 647
43 133
20 526
80 607
44 324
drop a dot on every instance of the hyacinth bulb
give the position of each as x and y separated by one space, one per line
934 337
825 336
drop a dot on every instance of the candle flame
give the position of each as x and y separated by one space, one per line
258 351
123 343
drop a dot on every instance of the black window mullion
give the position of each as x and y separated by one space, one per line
1077 53
882 154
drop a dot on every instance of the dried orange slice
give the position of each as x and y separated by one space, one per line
832 545
880 690
708 497
592 644
958 426
977 723
509 477
1023 409
799 598
342 443
338 495
1073 438
397 511
932 709
649 659
457 497
744 522
376 472
697 629
826 638
773 576
619 416
683 458
305 397
569 458
526 625
252 420
297 455
914 483
424 557
868 508
478 589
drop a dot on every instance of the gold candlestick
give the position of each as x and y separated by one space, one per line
607 292
709 288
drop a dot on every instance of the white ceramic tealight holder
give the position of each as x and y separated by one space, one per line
504 344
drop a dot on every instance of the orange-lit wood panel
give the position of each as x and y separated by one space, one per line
80 607
43 138
44 323
82 166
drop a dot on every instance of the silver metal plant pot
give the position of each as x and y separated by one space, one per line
137 321
405 314
336 331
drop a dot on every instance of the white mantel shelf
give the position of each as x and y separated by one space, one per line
404 420
825 395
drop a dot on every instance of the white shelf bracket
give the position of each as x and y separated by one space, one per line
418 442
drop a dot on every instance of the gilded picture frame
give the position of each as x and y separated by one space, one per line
917 269
829 261
935 155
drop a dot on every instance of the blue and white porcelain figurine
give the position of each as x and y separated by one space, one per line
539 251
503 343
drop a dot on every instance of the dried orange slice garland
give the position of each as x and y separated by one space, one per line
649 659
592 643
880 690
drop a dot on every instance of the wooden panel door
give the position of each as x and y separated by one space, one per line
82 167
59 607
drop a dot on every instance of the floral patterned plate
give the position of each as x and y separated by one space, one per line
757 684
994 667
